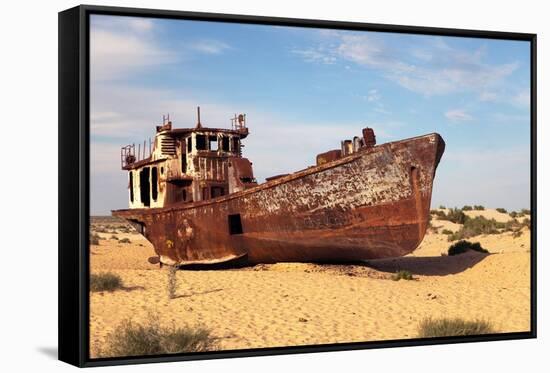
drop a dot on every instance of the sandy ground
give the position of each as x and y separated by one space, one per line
290 304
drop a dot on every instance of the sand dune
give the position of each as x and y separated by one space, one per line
289 304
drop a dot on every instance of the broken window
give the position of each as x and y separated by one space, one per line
235 224
131 186
144 187
205 194
217 191
184 158
201 142
213 140
225 143
154 183
236 146
189 146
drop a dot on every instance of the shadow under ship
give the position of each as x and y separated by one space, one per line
195 198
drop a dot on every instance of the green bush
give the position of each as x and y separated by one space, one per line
513 214
131 339
455 215
440 214
106 281
479 208
502 210
463 246
442 207
446 232
467 208
476 226
526 211
125 240
447 327
113 237
402 275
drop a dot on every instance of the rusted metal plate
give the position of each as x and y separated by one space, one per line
327 157
372 203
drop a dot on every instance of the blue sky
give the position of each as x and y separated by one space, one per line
304 90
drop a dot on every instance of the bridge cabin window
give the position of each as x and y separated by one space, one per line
189 146
236 145
200 141
213 142
144 187
184 158
131 186
154 183
225 143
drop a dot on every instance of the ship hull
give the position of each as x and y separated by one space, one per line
371 204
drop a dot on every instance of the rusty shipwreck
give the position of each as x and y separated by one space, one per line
194 197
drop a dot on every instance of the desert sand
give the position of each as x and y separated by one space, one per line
290 304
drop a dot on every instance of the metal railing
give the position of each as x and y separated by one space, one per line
128 155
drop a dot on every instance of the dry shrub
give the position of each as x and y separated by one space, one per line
150 338
446 327
105 281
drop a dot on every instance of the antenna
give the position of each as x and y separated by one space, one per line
199 125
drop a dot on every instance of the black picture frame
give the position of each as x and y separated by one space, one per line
74 182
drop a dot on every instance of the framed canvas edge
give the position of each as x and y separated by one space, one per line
73 194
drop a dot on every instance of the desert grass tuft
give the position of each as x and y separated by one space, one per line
150 338
402 275
105 281
124 240
429 328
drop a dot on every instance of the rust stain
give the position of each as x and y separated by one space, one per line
204 205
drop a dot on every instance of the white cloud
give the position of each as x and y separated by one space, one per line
488 96
373 96
441 69
458 115
319 55
122 46
116 51
210 46
140 24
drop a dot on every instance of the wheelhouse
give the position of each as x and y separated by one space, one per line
186 165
